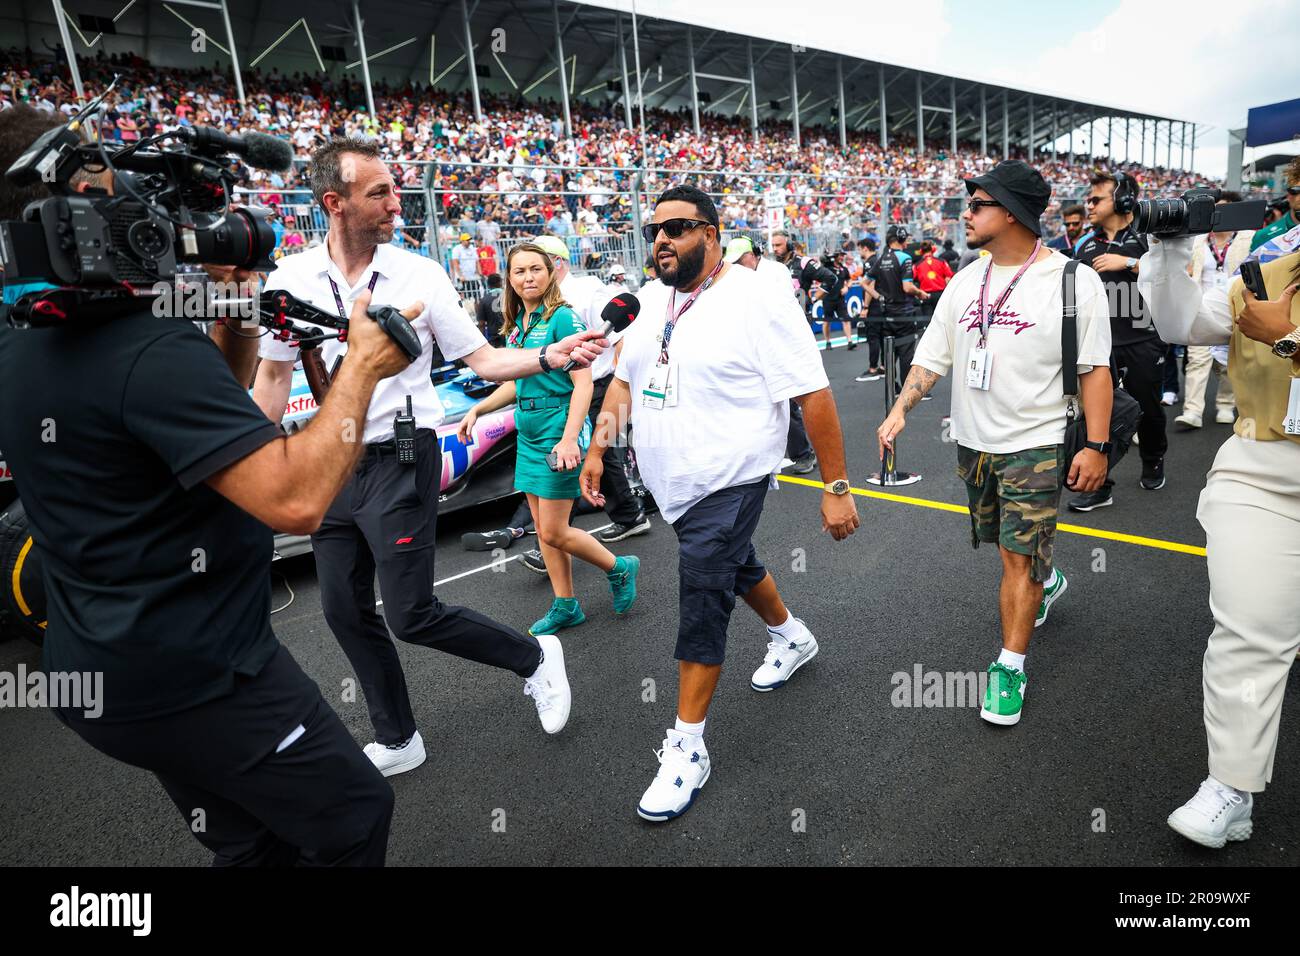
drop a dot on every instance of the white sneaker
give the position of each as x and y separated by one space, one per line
683 771
392 759
1188 420
549 686
1225 416
784 657
1169 398
1214 816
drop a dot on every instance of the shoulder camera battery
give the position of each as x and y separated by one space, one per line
404 434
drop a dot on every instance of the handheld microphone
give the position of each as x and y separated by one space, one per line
618 314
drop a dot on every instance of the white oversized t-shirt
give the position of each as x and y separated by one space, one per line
1024 406
741 352
404 279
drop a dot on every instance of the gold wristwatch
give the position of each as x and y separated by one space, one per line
838 487
1287 345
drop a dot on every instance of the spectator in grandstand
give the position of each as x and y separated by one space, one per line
1113 249
551 419
1216 257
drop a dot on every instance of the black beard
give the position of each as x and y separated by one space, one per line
977 242
689 267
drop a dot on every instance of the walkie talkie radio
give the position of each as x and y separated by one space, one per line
404 434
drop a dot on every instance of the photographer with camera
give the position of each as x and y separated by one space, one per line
383 520
150 508
1249 508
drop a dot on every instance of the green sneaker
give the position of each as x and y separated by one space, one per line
1005 695
564 612
622 582
1052 590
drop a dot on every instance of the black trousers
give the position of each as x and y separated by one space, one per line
875 338
384 521
797 444
621 504
1142 366
318 802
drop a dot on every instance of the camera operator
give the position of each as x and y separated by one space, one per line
1250 510
384 519
150 508
1113 250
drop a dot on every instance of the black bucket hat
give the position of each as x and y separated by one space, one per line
1020 188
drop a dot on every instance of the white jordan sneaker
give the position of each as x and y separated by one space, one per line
1214 816
784 657
549 686
393 759
683 771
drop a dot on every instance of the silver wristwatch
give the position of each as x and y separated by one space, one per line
1287 345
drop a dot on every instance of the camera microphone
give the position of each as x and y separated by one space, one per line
618 314
259 150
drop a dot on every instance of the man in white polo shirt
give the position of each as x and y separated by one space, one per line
999 324
383 521
705 376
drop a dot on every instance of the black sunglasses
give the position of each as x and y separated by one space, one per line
672 227
973 206
1293 190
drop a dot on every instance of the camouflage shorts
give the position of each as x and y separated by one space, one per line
1014 500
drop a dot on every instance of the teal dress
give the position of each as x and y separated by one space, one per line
543 409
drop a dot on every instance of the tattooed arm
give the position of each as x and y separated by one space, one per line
919 382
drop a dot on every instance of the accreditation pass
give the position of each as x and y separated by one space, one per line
661 390
979 368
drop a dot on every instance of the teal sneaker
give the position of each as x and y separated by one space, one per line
564 612
1005 695
622 582
1052 590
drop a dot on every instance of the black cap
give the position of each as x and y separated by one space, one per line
1020 188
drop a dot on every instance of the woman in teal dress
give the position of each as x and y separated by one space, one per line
552 409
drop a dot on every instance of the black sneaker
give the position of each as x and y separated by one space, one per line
852 346
1091 500
534 561
1153 475
870 375
618 531
487 540
802 466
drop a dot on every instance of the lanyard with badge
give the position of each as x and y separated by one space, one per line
662 389
979 366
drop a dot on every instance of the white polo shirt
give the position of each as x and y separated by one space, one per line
1024 406
741 353
403 279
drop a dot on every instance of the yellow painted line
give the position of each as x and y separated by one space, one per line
1158 543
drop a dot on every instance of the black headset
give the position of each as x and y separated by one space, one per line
1125 195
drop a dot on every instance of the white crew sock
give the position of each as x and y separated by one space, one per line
1012 659
791 630
1231 789
690 730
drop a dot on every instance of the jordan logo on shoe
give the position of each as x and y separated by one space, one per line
677 745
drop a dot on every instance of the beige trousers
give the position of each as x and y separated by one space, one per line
1199 365
1250 510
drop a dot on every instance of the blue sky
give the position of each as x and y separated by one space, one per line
1202 60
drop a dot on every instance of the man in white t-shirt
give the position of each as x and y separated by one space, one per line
464 260
382 522
999 325
705 376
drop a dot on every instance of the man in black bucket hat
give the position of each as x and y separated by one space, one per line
998 324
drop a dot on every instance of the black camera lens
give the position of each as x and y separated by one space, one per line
245 240
147 239
1160 217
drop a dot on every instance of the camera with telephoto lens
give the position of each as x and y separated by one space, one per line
170 203
1196 213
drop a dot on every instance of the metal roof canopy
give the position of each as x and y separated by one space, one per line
532 46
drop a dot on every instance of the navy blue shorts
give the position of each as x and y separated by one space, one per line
716 564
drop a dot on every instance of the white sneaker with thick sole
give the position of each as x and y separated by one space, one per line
1225 416
784 657
549 686
1214 816
683 771
1187 421
390 760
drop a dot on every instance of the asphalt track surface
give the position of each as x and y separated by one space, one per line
1111 740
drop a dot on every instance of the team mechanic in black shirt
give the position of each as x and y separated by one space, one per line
888 277
1113 249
